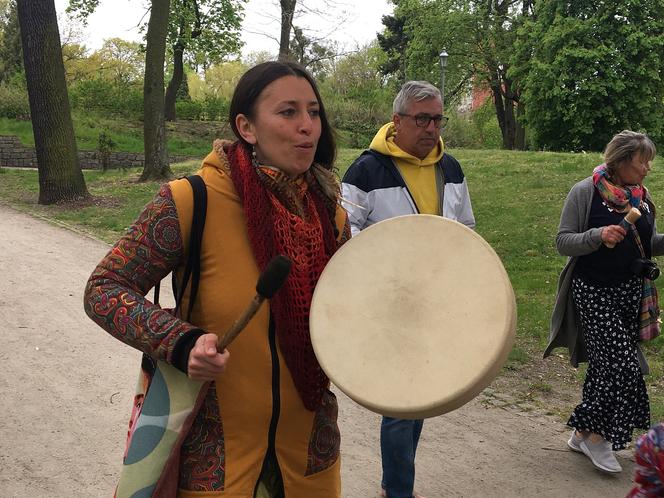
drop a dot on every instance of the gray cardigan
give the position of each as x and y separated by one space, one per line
574 239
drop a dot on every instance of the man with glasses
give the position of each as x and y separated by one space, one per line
406 171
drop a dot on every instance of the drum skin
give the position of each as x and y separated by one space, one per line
413 317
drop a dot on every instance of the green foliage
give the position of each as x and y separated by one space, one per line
14 101
220 80
394 42
105 143
591 69
105 146
104 95
479 36
183 138
357 99
11 51
82 8
316 56
120 61
92 94
183 91
20 128
189 110
355 134
215 108
432 25
208 30
477 130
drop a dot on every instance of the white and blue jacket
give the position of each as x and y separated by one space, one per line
377 191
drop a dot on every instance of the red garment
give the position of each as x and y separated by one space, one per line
649 469
309 241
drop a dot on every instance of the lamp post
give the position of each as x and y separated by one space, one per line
442 57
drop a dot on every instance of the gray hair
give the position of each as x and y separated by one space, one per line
624 146
414 91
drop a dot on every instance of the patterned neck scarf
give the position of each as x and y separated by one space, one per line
618 197
294 218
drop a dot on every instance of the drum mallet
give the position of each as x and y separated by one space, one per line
269 282
628 221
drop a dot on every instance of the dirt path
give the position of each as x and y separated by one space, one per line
66 389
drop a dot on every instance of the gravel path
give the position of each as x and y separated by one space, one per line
66 394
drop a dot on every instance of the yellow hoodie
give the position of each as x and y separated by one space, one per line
419 174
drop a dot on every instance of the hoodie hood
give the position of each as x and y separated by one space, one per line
384 143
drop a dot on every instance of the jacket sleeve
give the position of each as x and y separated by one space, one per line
657 241
114 297
572 239
456 196
465 209
357 202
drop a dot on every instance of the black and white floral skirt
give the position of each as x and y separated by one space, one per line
615 400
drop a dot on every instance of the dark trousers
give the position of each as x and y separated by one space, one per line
398 444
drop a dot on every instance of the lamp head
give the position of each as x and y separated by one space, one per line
443 58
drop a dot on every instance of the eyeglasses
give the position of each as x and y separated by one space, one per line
423 120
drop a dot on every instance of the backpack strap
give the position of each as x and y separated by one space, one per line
193 265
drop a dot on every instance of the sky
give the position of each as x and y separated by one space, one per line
349 23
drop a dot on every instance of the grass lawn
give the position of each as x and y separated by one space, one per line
517 198
185 138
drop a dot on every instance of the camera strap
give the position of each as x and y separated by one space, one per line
649 322
635 232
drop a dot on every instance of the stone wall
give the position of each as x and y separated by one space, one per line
14 154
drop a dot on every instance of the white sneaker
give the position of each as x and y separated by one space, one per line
601 455
574 442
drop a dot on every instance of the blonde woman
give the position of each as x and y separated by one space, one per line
600 291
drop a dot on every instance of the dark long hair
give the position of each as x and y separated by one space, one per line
251 85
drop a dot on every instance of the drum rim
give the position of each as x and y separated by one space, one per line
469 390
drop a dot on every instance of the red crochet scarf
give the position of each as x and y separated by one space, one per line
309 241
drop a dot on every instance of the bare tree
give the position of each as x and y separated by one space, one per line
60 175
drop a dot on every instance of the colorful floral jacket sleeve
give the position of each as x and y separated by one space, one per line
114 295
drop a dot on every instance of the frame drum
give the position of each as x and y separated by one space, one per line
413 317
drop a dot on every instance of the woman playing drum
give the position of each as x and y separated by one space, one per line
268 424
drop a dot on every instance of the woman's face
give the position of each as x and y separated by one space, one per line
634 171
286 125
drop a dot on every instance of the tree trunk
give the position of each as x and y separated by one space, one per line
287 12
154 128
505 114
520 141
60 175
509 133
500 107
176 81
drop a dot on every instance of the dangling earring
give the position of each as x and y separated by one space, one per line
254 159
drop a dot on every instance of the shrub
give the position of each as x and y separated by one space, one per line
477 130
105 146
92 94
14 102
105 96
215 108
189 110
356 122
130 102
